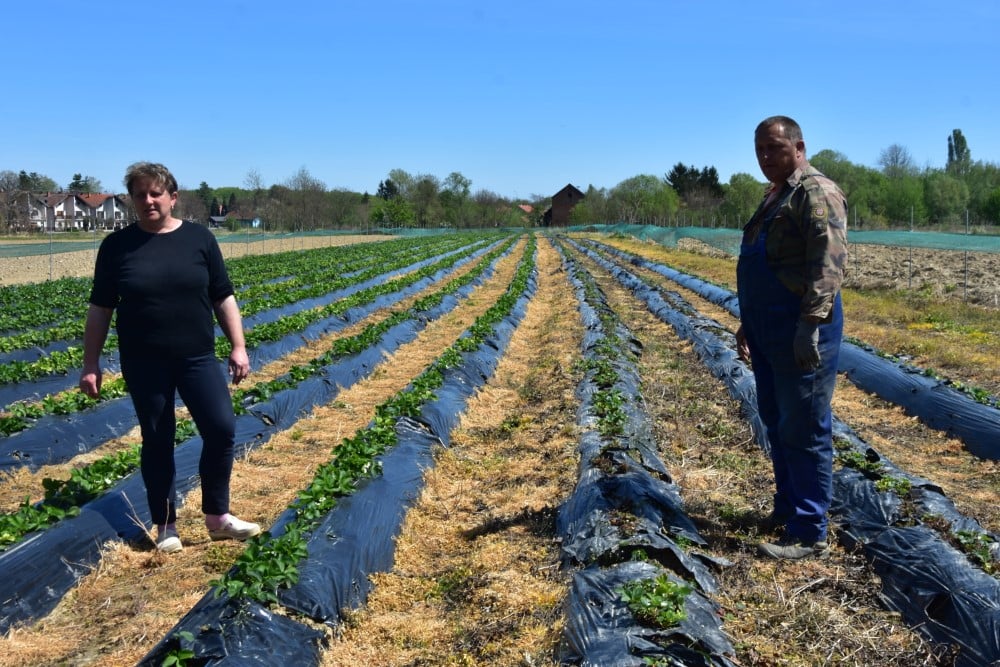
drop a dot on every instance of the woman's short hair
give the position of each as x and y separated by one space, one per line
155 172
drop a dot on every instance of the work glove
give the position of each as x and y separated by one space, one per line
805 345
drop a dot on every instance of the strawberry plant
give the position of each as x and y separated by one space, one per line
657 601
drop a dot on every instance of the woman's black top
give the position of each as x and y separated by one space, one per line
163 287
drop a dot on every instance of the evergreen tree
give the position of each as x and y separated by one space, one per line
206 195
387 190
35 182
698 189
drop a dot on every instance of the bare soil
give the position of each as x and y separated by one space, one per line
80 263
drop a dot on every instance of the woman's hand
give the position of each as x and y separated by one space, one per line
239 364
90 382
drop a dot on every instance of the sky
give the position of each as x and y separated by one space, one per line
521 97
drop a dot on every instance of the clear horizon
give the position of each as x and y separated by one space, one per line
521 98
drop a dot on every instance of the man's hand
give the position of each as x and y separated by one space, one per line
742 347
805 345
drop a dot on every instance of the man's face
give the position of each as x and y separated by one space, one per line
777 155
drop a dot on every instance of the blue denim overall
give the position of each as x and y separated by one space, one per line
794 404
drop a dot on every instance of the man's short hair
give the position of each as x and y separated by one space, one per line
792 130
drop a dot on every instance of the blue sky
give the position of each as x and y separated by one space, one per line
520 97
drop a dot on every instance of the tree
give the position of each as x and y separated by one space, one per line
425 198
454 199
863 186
982 179
644 198
959 156
904 200
457 184
404 182
206 195
84 184
35 182
387 190
255 184
13 201
189 206
345 207
594 208
945 195
991 207
488 208
698 189
395 212
743 195
308 202
896 162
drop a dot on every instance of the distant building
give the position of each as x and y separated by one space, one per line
557 215
66 211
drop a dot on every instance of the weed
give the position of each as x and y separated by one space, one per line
733 461
453 586
683 542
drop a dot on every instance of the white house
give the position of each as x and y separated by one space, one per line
68 211
108 211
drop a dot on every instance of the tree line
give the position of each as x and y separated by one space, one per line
896 194
304 203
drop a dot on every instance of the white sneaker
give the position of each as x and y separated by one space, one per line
168 542
234 529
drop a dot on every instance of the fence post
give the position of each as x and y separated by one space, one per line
909 266
965 283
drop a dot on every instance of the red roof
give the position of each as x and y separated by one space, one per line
94 200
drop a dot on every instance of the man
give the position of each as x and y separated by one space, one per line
789 273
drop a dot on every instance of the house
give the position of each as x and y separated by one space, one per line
65 211
108 211
557 215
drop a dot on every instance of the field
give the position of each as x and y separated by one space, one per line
479 572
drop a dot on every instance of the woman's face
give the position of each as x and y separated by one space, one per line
153 204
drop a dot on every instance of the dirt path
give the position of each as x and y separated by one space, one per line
80 263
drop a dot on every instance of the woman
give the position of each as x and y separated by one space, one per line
166 278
